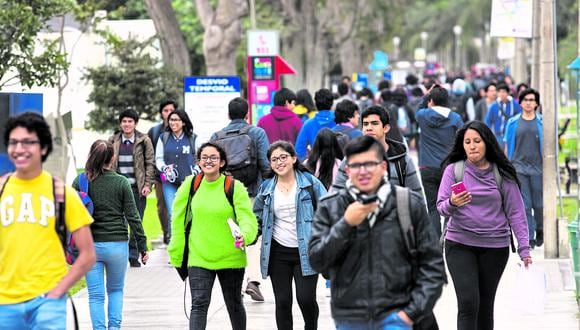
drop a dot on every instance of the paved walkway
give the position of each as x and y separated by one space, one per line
154 300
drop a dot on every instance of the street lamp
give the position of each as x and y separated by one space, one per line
396 43
457 32
424 35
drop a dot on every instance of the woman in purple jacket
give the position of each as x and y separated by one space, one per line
477 237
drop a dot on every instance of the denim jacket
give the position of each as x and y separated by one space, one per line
264 210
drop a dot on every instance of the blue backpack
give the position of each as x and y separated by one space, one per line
71 250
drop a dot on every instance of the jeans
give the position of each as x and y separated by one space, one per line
391 322
38 313
140 202
201 283
284 266
169 191
476 272
111 259
431 177
532 196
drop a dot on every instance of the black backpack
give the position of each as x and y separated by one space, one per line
241 154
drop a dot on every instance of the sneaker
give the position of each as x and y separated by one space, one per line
539 238
254 291
134 263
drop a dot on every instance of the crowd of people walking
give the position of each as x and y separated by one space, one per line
321 185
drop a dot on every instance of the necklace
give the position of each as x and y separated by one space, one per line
285 188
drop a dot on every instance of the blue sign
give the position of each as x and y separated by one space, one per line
380 61
211 84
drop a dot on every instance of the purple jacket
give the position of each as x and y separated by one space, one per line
281 124
483 222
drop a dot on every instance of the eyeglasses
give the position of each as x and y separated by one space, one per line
23 143
175 119
368 166
530 100
213 158
282 158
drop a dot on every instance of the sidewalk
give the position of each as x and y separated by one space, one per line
154 300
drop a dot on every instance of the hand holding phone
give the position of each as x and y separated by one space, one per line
460 195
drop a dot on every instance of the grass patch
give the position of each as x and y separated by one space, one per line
570 208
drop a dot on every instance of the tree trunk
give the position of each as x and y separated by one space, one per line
223 33
173 46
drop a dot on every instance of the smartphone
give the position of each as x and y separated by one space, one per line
458 188
367 199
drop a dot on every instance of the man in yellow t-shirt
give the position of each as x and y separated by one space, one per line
34 278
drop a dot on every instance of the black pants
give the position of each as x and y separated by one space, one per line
140 202
476 272
431 177
201 283
285 265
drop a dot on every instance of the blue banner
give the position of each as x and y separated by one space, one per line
212 84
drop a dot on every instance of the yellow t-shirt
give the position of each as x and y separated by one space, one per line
32 260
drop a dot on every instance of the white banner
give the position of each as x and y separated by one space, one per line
511 18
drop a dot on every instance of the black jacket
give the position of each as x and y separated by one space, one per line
370 269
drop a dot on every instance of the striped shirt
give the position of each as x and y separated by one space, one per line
125 164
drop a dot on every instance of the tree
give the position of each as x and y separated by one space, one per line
21 57
137 81
222 33
173 46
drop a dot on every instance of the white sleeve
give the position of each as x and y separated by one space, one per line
159 153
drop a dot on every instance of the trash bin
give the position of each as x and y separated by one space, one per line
573 234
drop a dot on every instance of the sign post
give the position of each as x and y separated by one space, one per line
206 102
264 69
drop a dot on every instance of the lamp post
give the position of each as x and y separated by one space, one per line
457 32
396 43
424 35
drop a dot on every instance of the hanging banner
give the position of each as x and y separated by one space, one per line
511 18
206 102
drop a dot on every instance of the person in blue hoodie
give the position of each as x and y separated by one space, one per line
500 112
324 118
438 125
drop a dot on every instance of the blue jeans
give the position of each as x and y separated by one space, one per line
112 259
169 191
532 196
391 322
37 313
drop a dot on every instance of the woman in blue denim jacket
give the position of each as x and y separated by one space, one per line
285 207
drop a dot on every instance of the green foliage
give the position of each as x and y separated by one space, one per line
23 55
136 81
190 25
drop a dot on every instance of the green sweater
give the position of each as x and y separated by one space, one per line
211 245
113 200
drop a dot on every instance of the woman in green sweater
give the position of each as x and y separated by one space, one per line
212 248
113 203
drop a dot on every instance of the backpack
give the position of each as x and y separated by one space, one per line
241 154
58 190
408 233
343 138
457 104
458 172
229 184
71 250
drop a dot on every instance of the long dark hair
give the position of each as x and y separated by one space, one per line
289 148
304 98
100 156
187 125
493 152
220 150
327 150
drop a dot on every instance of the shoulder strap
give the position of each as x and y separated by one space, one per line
498 179
229 183
401 168
58 190
245 129
404 216
3 181
164 137
192 138
458 170
84 183
310 190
